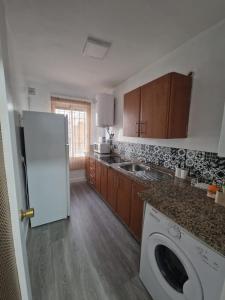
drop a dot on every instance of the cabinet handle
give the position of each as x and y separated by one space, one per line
138 127
141 129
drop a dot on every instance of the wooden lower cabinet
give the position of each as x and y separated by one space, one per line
124 198
101 178
120 192
104 181
112 187
136 212
98 177
87 168
92 168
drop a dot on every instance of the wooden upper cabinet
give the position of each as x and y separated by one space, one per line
131 113
162 106
154 108
180 99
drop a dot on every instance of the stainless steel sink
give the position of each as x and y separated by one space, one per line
133 167
145 172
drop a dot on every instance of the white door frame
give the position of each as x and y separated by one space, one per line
8 138
11 165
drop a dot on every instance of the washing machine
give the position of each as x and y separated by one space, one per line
177 266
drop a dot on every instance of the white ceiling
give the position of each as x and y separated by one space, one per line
50 35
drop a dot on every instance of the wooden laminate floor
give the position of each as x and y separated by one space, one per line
90 256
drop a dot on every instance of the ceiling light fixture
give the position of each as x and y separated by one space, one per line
96 48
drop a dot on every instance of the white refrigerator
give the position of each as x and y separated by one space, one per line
47 164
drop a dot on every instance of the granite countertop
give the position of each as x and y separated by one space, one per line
190 208
184 204
129 175
98 157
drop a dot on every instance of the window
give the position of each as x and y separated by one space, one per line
78 114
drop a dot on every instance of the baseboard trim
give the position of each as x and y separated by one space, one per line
78 179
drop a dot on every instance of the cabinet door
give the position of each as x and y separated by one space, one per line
155 108
104 181
112 188
131 113
98 177
124 198
87 168
180 97
92 172
136 214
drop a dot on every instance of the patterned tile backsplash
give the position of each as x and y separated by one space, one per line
203 165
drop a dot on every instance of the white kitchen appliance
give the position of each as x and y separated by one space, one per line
47 163
102 148
177 266
104 110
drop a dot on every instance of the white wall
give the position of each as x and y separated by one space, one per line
221 148
17 84
42 100
10 93
205 56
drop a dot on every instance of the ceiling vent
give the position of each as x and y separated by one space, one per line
96 48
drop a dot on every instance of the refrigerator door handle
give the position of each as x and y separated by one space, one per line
66 129
68 179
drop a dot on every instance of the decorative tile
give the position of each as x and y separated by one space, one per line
204 165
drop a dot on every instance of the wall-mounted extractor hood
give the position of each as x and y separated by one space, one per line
96 48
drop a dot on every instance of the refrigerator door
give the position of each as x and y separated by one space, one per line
67 164
47 166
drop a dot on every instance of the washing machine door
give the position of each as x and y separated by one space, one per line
173 269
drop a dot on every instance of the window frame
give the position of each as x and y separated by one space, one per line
73 106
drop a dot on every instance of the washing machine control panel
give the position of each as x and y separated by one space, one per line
174 231
206 258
